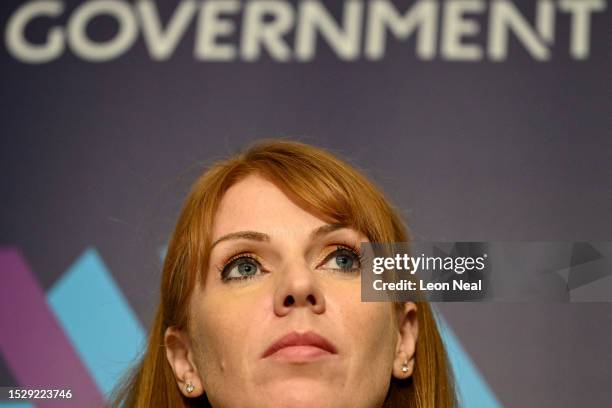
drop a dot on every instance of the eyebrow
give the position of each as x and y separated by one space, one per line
261 237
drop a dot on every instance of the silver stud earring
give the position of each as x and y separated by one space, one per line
405 367
189 388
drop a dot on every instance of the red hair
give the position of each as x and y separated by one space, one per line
326 186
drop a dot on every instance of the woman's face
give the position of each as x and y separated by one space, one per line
279 321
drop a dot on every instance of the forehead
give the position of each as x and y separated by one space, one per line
256 204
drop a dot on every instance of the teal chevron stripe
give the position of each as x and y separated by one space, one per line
472 389
97 318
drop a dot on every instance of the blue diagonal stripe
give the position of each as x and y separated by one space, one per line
472 389
97 318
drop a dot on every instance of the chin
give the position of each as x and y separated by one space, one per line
297 393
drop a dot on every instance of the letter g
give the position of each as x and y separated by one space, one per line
377 265
19 47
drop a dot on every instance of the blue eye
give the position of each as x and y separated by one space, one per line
244 267
342 259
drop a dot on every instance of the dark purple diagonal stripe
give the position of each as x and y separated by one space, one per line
32 342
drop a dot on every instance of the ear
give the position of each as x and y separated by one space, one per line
180 356
408 331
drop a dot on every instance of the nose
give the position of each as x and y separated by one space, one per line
298 287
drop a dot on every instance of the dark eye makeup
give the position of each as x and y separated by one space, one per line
345 258
243 265
246 265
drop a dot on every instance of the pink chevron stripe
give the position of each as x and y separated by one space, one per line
32 342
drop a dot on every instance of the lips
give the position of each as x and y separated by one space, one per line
295 339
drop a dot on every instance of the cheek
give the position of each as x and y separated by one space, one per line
371 337
374 324
371 329
374 334
219 333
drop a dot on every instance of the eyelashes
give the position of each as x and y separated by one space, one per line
345 259
348 258
243 266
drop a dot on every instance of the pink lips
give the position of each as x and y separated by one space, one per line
300 346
